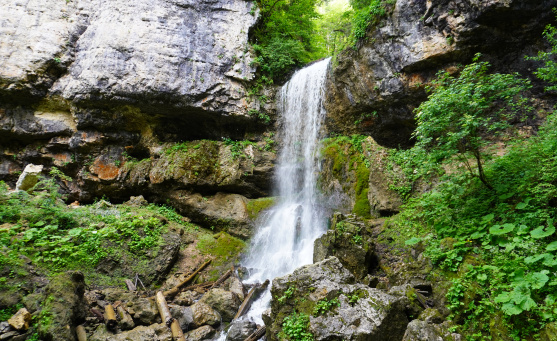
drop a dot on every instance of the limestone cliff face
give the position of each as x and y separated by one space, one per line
88 86
375 87
164 56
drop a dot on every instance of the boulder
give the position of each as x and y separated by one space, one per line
144 311
64 307
20 321
223 301
236 287
155 332
184 315
422 331
360 312
29 178
239 330
203 315
186 298
358 257
201 333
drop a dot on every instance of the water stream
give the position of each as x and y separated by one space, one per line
284 241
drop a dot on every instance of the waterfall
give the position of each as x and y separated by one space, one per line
284 241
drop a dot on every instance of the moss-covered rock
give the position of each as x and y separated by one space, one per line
64 307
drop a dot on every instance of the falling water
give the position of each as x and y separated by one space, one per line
284 241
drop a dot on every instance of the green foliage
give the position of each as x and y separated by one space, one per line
364 16
461 112
295 327
325 305
8 312
283 36
237 148
287 294
548 72
57 238
501 243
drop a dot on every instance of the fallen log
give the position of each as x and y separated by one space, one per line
81 334
174 291
252 294
110 317
223 278
164 311
256 335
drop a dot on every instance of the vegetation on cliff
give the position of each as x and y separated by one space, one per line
491 229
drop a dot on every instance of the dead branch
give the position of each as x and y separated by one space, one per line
252 294
256 335
174 291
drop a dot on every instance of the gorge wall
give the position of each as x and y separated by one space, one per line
376 85
119 95
103 89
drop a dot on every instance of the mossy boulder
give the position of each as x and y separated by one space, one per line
64 307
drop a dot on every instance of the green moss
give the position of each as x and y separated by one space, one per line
362 207
223 247
255 206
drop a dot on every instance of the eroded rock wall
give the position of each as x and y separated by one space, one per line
101 89
376 86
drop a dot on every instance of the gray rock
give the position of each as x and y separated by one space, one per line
184 315
125 320
362 313
422 331
137 201
236 287
186 298
144 311
359 259
201 333
239 330
203 315
29 177
155 332
223 301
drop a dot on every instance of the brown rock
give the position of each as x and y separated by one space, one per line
21 320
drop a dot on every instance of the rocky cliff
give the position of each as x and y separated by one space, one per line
376 85
104 90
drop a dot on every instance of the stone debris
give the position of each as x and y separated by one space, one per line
29 178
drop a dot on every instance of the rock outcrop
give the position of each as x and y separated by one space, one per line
375 87
352 311
88 86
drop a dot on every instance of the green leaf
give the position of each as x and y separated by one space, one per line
511 309
503 297
477 235
550 261
521 206
542 232
522 229
413 241
551 246
538 280
501 229
533 259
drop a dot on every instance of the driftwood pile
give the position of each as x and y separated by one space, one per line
111 322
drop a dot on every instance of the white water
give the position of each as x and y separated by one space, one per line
284 241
